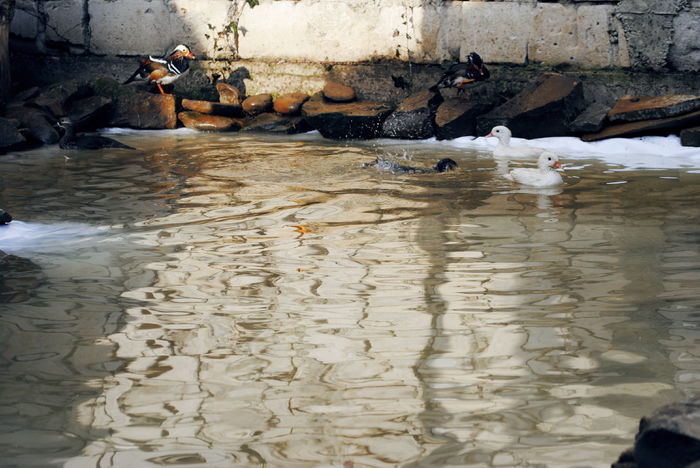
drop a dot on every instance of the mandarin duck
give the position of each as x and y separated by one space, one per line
71 141
163 71
463 73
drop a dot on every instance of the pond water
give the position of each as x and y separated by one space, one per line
246 300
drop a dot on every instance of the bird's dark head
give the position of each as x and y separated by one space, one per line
475 59
477 63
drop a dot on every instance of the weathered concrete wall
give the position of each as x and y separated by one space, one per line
637 34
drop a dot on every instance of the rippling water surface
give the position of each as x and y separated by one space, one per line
220 301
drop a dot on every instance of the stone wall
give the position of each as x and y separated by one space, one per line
634 34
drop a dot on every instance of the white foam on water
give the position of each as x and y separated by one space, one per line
19 236
650 152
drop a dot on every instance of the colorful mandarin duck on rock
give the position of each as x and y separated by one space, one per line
463 73
163 71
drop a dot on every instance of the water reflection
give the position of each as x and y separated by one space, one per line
240 301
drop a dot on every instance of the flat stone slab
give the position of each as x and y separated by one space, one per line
275 123
257 104
543 108
590 120
353 120
214 108
208 122
290 103
634 108
646 127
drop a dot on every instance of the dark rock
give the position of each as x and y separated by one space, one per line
290 104
54 99
274 123
690 137
229 94
669 437
257 104
10 134
36 123
456 117
647 127
71 141
413 119
26 94
207 122
4 217
633 108
337 92
626 460
137 109
90 112
543 108
215 108
353 120
590 120
195 84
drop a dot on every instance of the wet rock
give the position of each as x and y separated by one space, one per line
257 104
543 108
690 137
26 94
229 94
634 108
275 123
647 127
590 120
36 123
10 134
215 108
456 117
137 109
290 104
90 112
5 217
669 438
54 99
337 92
353 120
413 119
208 122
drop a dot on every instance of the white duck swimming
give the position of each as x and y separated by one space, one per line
503 148
544 176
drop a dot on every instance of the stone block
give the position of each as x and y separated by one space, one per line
543 108
633 108
647 127
690 137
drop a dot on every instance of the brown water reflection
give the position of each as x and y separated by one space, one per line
248 301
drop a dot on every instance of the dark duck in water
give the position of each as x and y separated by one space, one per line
443 165
461 74
165 70
70 140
